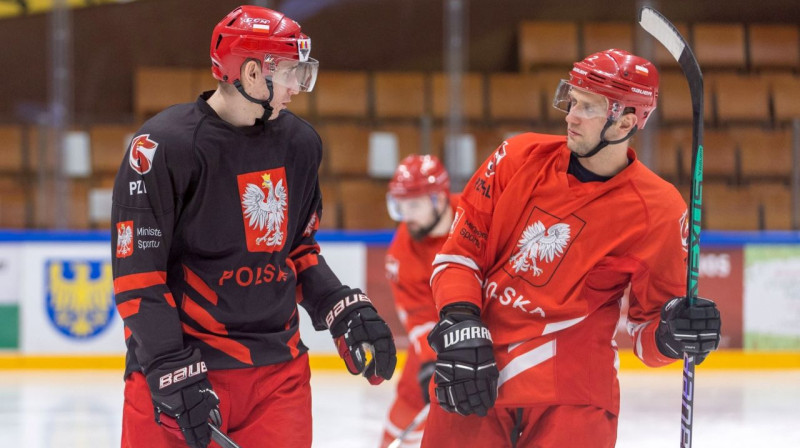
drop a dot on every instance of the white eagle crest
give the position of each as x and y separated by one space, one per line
537 243
266 211
124 240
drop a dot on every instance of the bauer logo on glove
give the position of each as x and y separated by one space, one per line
362 338
182 374
343 304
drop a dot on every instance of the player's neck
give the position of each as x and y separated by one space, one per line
443 227
608 161
236 110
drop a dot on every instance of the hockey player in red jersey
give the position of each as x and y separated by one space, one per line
215 211
419 198
525 345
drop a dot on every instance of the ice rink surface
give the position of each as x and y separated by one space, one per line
48 409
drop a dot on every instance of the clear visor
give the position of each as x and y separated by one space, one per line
584 104
417 208
291 73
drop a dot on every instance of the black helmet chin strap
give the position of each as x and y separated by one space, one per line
422 233
603 142
264 103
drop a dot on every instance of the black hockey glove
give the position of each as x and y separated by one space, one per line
357 329
183 398
424 378
466 374
690 329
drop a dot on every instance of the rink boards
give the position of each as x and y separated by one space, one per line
57 308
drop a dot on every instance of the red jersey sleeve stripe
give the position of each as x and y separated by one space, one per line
199 285
293 344
290 265
170 300
306 261
129 308
293 350
223 344
202 317
128 332
304 247
289 322
139 281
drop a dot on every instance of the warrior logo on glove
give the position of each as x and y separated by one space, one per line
464 334
466 373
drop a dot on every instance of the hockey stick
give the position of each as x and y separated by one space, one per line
221 438
421 416
659 27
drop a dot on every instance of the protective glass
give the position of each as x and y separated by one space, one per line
291 73
417 208
584 104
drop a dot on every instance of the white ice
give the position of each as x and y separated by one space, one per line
46 409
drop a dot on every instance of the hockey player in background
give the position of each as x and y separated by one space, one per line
525 345
215 211
419 198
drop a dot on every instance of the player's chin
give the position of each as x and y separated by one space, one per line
414 228
573 145
276 110
578 148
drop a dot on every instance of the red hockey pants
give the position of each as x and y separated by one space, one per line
560 426
260 406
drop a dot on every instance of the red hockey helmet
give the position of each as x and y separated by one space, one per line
253 32
417 175
624 79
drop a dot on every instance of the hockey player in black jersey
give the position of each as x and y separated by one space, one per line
215 211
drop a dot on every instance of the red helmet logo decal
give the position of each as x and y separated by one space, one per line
303 49
141 155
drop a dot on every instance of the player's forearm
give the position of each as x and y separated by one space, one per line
151 318
456 283
320 289
644 344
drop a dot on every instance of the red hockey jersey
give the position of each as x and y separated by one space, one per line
408 269
547 258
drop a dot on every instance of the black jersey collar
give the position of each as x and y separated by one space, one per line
202 104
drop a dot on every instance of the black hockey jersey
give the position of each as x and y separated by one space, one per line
213 238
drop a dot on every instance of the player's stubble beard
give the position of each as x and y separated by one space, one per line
581 147
419 232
